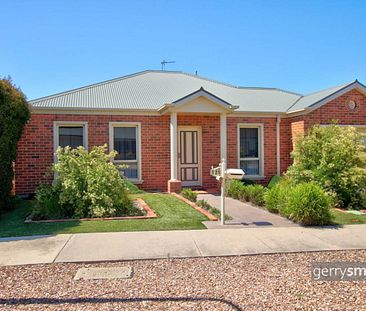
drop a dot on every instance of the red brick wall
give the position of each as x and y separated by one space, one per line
336 109
269 127
35 149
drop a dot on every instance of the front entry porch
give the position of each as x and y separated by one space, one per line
198 130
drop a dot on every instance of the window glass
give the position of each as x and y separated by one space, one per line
250 167
70 136
131 171
249 143
249 150
125 143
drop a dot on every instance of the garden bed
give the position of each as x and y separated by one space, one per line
196 207
140 203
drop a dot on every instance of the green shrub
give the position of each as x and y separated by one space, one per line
48 206
91 183
274 180
234 188
255 194
275 198
14 114
308 204
244 194
213 210
334 158
247 193
189 194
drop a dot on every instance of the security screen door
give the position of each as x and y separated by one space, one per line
189 155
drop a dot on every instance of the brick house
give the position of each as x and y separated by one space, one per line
171 127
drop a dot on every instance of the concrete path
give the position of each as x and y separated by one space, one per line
176 244
244 215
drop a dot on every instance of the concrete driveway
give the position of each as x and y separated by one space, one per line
244 215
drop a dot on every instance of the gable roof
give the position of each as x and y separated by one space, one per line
151 90
316 99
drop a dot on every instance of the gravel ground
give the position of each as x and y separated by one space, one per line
277 282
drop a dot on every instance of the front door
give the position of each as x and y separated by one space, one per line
189 155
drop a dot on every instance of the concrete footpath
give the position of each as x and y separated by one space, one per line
90 247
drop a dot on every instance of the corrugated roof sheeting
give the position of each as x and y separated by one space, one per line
313 98
149 90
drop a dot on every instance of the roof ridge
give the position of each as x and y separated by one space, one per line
208 79
95 84
270 88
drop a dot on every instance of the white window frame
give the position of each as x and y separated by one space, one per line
112 125
260 158
56 136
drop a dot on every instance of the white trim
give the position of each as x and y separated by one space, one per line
223 139
84 111
278 145
112 125
246 114
260 127
58 124
200 93
199 129
173 146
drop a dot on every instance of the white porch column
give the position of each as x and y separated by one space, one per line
223 141
278 145
173 146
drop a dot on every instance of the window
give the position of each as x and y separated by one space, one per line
70 136
125 139
250 149
73 134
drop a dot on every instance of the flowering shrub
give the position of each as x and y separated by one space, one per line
91 182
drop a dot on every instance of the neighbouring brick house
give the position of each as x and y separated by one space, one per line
171 127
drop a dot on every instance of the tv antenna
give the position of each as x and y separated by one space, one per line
164 62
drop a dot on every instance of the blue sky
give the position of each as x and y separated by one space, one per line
303 46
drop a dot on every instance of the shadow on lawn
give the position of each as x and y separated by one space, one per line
12 224
57 301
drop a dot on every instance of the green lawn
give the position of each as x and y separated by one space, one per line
173 215
347 219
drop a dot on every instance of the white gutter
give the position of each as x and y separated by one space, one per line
278 146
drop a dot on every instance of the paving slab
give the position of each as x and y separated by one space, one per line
89 247
244 215
31 249
101 273
128 245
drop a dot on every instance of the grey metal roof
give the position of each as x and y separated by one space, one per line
313 98
150 90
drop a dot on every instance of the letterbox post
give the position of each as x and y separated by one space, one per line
223 173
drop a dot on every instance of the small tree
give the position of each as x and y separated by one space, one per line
14 113
333 157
